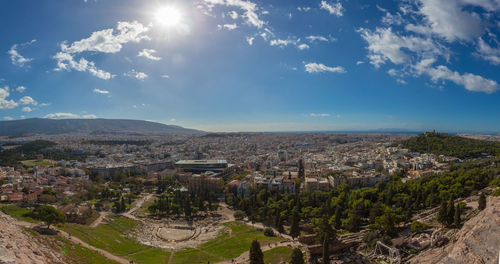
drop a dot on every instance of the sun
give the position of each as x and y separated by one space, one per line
168 16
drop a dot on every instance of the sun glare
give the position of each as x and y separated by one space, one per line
168 16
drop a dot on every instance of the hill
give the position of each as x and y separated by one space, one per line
450 145
87 126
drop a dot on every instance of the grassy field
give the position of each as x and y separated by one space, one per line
32 163
18 213
224 247
112 238
73 253
277 255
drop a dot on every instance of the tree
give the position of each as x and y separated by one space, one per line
386 223
297 256
49 215
326 250
443 212
256 255
451 212
294 228
456 218
482 202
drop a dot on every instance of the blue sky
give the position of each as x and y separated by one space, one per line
236 65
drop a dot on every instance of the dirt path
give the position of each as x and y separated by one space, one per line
137 205
98 221
77 241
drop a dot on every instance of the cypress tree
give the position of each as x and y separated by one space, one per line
482 202
326 250
451 212
458 212
443 212
256 255
297 257
294 228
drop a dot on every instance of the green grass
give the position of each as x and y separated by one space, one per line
225 246
19 213
32 163
112 238
194 256
277 255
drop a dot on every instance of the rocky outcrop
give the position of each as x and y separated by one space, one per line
18 246
477 242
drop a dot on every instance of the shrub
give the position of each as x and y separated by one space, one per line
418 227
268 232
239 215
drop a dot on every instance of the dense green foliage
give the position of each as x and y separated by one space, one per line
382 207
177 202
450 145
30 150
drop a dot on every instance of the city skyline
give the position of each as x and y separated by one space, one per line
233 65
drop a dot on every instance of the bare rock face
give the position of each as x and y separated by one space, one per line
477 242
18 246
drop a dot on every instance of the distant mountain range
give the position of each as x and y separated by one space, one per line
88 126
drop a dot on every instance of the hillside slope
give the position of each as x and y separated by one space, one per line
450 145
87 126
477 242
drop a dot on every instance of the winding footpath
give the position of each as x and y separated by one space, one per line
76 240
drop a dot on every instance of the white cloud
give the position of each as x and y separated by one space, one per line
250 40
44 104
250 10
228 26
148 54
26 100
303 9
165 76
233 14
66 62
359 62
106 42
135 74
100 41
449 20
173 120
69 116
22 117
283 42
99 91
27 109
319 115
303 46
21 89
8 118
332 8
16 58
488 53
316 38
384 45
4 102
313 67
470 81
